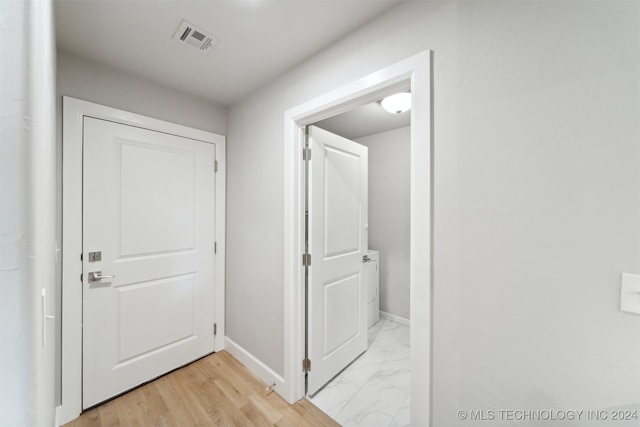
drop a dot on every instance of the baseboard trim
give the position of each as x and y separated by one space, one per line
253 364
394 318
56 420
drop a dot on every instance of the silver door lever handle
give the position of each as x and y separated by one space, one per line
97 275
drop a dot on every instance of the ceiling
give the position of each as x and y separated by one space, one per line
366 120
259 39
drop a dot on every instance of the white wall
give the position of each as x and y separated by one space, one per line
536 193
17 347
389 209
27 213
94 82
90 81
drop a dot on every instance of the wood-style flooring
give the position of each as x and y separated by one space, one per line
214 391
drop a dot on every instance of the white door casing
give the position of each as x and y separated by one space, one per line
417 72
338 215
149 210
74 113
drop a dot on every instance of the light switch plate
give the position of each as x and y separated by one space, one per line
630 293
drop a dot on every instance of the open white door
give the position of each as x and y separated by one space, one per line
338 216
148 231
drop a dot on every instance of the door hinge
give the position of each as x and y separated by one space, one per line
215 166
215 247
306 260
215 329
306 153
80 257
81 277
306 365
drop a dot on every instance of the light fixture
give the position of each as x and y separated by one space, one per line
397 103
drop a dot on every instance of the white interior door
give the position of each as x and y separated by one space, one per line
337 293
148 211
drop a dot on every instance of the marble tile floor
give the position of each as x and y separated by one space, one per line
374 390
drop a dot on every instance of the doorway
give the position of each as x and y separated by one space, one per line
76 259
353 396
416 72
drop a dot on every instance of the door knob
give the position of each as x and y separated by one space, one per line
94 276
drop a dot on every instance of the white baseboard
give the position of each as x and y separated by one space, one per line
259 369
66 414
56 421
394 318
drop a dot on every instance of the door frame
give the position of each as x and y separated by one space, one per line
74 111
416 71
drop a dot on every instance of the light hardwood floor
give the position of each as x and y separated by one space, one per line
214 391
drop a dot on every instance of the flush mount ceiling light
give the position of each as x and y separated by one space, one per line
397 103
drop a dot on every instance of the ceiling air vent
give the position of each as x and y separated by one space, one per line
195 37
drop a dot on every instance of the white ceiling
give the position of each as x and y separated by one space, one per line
259 39
366 120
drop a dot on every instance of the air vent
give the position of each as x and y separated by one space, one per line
194 37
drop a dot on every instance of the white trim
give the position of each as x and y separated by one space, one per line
221 242
253 364
394 318
417 70
72 128
56 422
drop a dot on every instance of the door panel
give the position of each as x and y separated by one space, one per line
148 208
155 330
337 305
342 202
341 320
146 192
